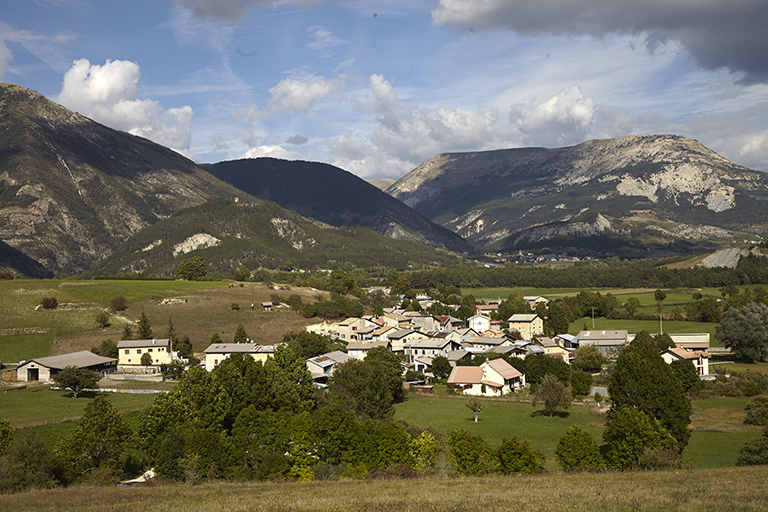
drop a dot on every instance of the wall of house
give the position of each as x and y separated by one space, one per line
132 356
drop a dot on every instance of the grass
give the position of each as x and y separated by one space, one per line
40 405
199 309
717 425
713 490
24 347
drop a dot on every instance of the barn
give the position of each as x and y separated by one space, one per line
43 368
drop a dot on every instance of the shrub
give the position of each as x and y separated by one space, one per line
578 450
516 456
49 303
757 416
146 359
118 304
658 458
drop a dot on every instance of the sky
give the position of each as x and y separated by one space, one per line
376 87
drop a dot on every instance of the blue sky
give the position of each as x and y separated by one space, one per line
376 87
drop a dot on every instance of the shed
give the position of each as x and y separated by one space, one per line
44 368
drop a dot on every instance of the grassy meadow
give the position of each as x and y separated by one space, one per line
712 490
198 310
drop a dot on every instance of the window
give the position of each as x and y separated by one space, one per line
138 351
150 350
127 351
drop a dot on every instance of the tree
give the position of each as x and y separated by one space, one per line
192 269
242 274
745 331
578 450
171 335
630 433
423 452
76 379
172 370
685 371
240 335
6 434
754 452
402 287
100 438
475 405
557 321
108 348
470 454
631 305
307 344
588 358
441 367
581 383
102 319
118 304
127 332
553 394
517 457
642 380
145 329
27 464
49 303
146 359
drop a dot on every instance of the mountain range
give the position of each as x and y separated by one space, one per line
627 196
77 196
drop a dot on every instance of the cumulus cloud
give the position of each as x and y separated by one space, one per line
109 94
716 34
272 152
565 118
297 93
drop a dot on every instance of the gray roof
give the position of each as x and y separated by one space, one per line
82 359
234 348
520 317
619 337
143 343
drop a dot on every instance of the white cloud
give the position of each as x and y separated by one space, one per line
272 152
323 39
297 93
108 94
5 58
563 119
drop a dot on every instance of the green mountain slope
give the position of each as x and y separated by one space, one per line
259 234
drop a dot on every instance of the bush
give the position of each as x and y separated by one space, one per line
747 383
516 456
754 452
658 458
757 416
582 383
49 303
118 304
578 450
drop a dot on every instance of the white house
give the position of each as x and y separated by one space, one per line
480 323
218 352
492 378
699 358
528 325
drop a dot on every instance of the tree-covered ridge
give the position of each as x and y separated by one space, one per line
260 234
612 273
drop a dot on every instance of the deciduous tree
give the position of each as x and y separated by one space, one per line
578 450
441 367
516 457
470 454
192 269
553 394
629 433
76 379
745 331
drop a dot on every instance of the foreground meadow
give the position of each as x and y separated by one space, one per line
711 490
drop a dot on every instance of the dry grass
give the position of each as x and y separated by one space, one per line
724 489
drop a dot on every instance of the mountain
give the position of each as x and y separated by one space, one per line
72 190
334 196
628 196
258 233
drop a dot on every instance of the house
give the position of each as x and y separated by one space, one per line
699 358
218 352
429 347
448 322
349 328
528 325
267 306
493 378
44 368
403 336
425 322
691 340
552 348
479 323
533 300
321 367
567 340
486 309
604 340
457 355
396 320
523 349
359 349
324 328
129 352
483 342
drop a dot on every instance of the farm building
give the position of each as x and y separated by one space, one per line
44 368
